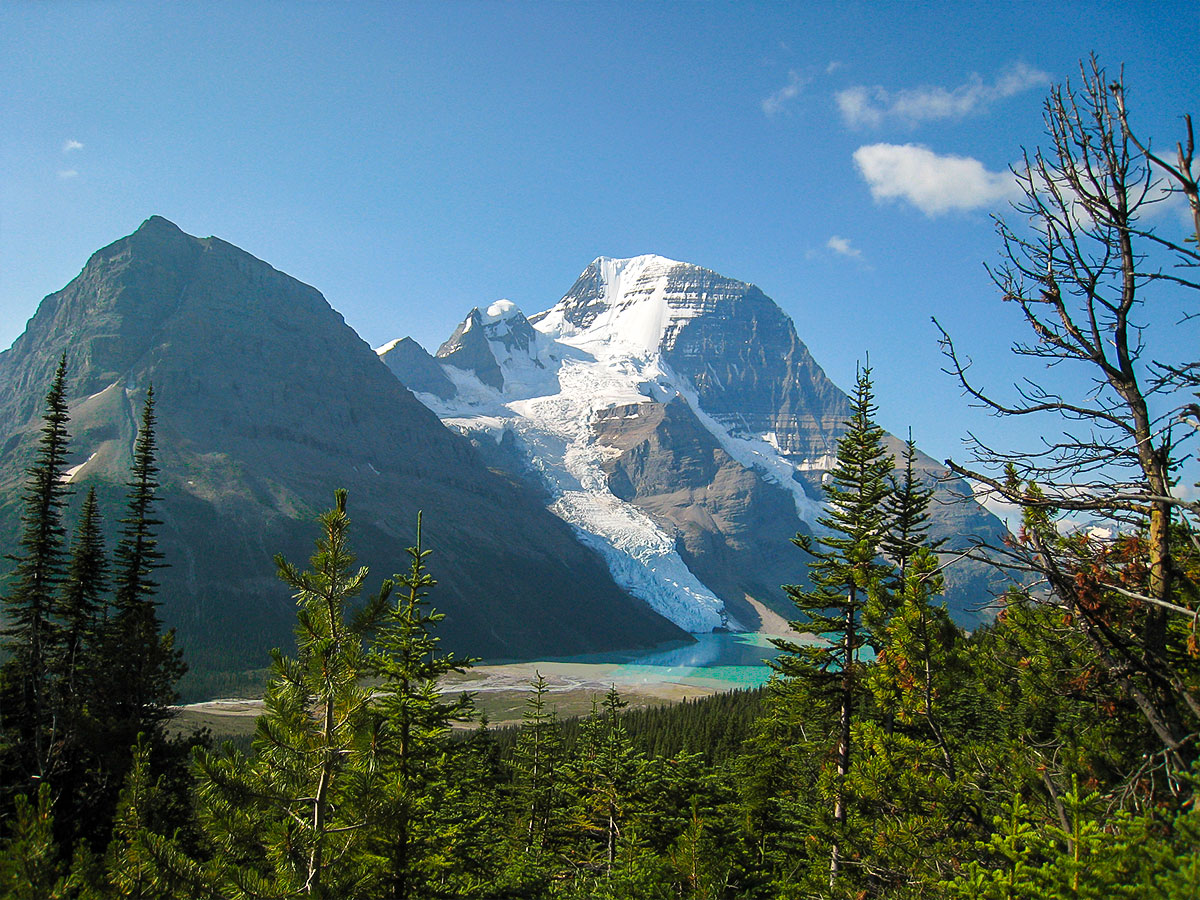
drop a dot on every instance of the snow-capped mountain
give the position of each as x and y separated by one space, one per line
673 418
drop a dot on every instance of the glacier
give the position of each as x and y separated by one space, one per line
560 374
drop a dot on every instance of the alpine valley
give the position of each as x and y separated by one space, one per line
616 471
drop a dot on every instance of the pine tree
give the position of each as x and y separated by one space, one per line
84 784
30 866
847 573
292 819
415 719
33 635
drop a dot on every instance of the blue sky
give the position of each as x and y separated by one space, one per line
413 161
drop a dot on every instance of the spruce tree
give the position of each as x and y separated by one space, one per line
33 634
143 662
82 777
537 759
415 720
846 572
605 775
83 605
907 508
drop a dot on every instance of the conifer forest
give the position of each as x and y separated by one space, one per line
1054 753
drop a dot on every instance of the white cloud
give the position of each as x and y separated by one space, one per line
834 65
68 173
934 184
796 83
863 106
842 245
70 145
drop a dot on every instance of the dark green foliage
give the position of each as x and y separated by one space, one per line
30 866
33 635
846 570
1006 764
907 508
849 580
416 825
65 690
141 660
537 768
84 606
713 727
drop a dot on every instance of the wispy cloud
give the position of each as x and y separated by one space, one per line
933 183
71 145
68 173
863 106
790 91
843 247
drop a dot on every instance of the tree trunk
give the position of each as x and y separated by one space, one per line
843 750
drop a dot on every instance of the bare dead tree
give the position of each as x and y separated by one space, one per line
1081 260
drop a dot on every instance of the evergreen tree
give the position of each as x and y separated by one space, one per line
606 776
907 507
83 605
846 572
415 720
33 635
464 856
30 866
135 864
292 818
86 785
142 661
536 762
917 665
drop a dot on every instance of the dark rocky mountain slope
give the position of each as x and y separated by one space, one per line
267 401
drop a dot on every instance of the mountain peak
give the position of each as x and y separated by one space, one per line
616 266
500 311
484 339
638 304
158 224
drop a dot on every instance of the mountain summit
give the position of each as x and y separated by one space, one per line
680 425
267 401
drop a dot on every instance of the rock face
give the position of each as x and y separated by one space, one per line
484 340
267 401
415 368
731 523
693 404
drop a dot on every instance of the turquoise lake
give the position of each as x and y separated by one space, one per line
721 660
